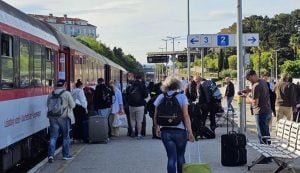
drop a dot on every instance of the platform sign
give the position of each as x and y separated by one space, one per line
158 59
251 39
206 40
221 40
193 40
183 58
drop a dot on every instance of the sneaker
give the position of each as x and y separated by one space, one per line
139 137
67 158
50 159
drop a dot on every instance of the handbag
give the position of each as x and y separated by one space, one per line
195 167
120 120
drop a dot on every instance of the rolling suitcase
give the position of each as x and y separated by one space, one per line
233 148
98 129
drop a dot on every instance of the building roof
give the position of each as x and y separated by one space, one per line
61 20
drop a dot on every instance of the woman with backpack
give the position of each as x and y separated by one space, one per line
80 113
172 123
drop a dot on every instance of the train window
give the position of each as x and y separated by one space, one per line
7 63
49 66
37 66
24 64
6 45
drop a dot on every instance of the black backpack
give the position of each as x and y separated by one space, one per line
169 111
214 91
135 95
106 96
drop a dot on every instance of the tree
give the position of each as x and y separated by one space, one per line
232 62
292 68
116 55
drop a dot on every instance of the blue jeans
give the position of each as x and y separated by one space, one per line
262 125
229 105
175 141
56 125
104 112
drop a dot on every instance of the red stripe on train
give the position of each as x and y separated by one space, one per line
12 94
17 32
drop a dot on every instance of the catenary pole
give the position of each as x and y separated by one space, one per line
188 49
241 80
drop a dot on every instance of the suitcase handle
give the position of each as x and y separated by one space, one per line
198 151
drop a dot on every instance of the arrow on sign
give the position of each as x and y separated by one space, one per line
193 41
252 39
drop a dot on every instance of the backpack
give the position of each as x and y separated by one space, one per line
169 111
106 96
135 95
150 106
55 105
214 91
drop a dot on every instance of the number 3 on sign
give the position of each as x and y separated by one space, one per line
205 40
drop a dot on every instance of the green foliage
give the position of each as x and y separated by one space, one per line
292 68
116 55
232 62
265 61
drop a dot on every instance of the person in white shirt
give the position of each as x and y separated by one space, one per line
184 84
117 107
80 113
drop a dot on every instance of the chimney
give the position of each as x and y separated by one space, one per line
65 16
50 15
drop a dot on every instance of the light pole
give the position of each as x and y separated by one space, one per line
188 49
241 80
173 55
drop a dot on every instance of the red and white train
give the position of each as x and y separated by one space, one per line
33 56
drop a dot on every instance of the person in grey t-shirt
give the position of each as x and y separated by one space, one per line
260 102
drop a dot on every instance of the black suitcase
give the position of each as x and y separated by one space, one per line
233 148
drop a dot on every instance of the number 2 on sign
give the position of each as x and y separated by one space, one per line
223 39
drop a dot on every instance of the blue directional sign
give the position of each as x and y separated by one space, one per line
223 40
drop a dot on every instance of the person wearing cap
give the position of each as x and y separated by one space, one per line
61 123
260 102
229 93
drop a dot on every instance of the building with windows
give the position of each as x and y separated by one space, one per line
70 26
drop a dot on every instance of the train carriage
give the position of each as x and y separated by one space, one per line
32 56
28 49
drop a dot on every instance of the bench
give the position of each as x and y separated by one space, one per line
284 147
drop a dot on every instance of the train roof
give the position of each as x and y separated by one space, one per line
72 43
21 21
113 64
68 41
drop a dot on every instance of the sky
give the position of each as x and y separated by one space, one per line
138 26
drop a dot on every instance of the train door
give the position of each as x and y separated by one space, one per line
63 67
121 80
107 73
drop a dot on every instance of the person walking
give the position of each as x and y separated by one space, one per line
136 93
229 93
174 137
285 98
60 105
80 131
